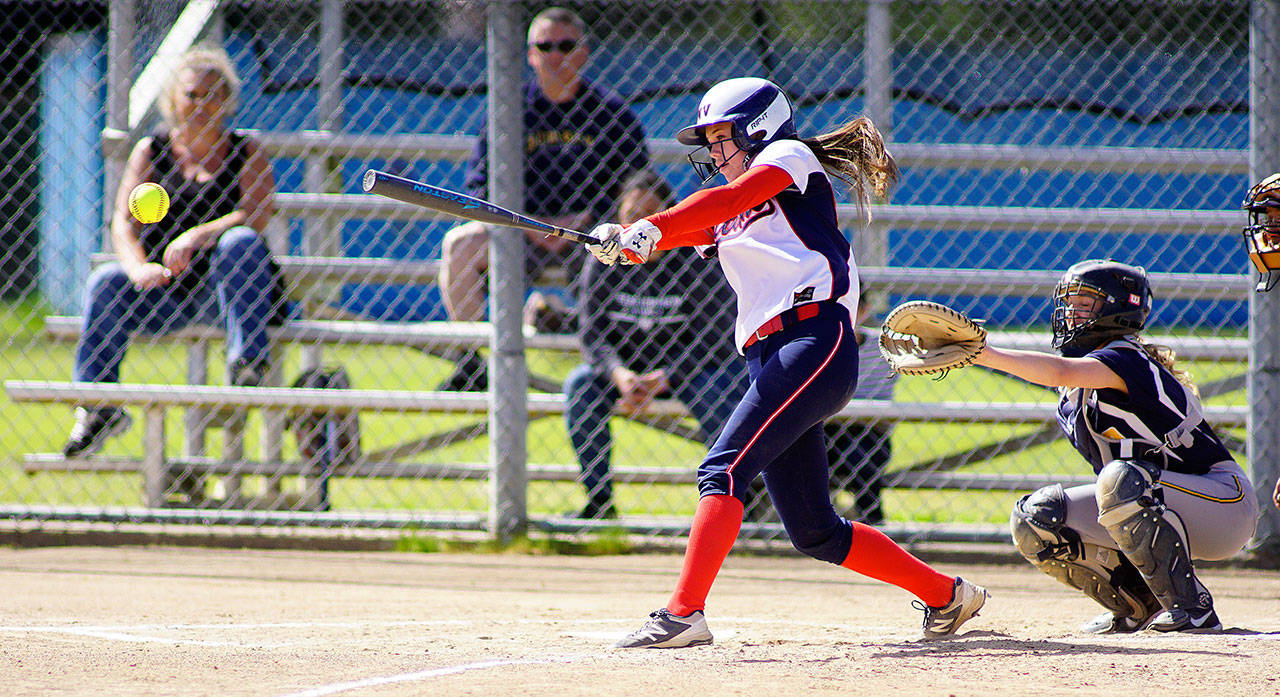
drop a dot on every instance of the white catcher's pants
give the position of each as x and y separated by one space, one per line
1218 509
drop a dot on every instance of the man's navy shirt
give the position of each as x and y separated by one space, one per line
576 153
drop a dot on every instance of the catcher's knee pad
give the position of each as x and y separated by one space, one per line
1125 487
1038 526
1131 508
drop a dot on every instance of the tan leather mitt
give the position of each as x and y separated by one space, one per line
924 338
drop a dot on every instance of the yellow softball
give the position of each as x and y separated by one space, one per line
148 202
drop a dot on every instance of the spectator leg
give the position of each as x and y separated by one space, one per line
870 458
114 310
589 402
463 271
243 275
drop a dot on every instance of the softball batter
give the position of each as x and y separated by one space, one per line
775 231
1168 491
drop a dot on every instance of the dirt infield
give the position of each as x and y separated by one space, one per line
181 622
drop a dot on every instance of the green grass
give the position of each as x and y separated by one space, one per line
607 542
26 428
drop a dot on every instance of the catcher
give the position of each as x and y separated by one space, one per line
1262 241
1168 491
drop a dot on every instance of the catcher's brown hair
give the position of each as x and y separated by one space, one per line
1167 358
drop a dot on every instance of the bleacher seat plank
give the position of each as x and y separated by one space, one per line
367 469
419 335
123 394
477 334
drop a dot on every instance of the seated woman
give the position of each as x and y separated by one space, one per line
205 262
645 332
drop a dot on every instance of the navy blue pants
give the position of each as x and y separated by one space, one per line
799 377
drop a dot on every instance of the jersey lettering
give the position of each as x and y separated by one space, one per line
740 222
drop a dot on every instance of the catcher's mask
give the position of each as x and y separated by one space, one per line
1262 234
1098 300
758 112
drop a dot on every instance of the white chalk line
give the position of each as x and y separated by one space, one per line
335 688
623 623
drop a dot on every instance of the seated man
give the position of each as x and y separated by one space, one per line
578 140
648 332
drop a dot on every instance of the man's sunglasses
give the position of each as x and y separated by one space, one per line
563 46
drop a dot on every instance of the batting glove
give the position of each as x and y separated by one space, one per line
606 250
638 240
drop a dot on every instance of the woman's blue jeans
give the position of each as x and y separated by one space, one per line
238 294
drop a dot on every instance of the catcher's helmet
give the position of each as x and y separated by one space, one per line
1111 300
1262 234
757 110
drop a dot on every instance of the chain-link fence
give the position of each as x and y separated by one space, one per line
1031 134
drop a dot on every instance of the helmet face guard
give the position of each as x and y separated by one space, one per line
757 111
1097 301
704 165
1262 234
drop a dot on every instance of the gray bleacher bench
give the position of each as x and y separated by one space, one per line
421 335
158 468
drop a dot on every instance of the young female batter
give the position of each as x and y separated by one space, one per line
776 235
1167 491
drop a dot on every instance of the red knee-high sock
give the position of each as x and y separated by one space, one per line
874 554
715 527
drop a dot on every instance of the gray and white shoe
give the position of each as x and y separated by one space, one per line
1111 623
667 631
966 600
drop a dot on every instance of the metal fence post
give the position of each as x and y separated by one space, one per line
122 27
1264 308
509 378
871 242
877 83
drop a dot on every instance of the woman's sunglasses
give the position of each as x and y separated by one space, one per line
563 46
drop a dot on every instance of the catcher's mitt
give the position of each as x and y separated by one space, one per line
922 338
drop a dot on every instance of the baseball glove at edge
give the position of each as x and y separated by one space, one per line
923 338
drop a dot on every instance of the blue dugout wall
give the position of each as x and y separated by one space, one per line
397 85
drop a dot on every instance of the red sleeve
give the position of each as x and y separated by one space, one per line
689 222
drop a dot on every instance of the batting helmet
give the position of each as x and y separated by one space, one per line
1116 301
757 110
1262 234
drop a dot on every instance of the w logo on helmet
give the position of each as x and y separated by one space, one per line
757 109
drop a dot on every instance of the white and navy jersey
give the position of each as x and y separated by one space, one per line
1158 413
788 250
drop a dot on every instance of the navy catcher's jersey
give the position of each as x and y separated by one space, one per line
1158 413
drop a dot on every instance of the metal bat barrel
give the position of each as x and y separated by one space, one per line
460 205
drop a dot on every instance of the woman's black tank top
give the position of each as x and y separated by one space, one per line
191 202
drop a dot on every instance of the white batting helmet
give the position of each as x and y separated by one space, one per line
758 110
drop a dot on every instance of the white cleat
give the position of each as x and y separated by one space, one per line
667 631
966 600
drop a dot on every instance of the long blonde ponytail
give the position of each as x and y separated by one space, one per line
855 153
